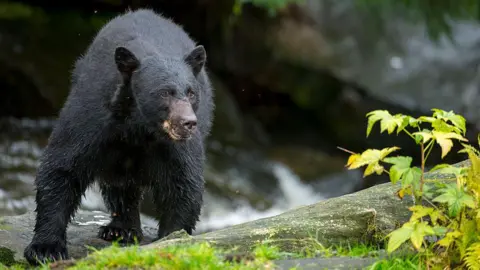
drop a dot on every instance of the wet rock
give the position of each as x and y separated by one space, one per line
16 233
326 263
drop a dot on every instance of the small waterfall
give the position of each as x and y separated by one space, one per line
294 194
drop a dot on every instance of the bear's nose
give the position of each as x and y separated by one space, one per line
189 123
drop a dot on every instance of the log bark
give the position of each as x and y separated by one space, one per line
366 216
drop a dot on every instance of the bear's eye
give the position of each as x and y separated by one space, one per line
191 94
165 93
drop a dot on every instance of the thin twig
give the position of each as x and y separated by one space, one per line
423 171
345 150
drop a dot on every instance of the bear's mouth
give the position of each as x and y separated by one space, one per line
175 132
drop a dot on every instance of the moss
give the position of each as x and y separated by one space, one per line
205 256
7 256
195 256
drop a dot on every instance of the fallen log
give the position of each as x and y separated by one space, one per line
361 217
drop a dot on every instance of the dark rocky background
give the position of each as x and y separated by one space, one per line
291 86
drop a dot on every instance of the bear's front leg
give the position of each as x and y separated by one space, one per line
123 203
179 207
59 192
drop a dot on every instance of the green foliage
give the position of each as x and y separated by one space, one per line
192 256
12 11
435 14
449 211
356 250
272 6
7 256
412 262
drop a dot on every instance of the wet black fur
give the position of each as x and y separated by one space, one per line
110 130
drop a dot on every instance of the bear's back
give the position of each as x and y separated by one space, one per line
144 32
143 25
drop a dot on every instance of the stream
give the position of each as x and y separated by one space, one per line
244 186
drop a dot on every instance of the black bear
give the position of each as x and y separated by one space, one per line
137 117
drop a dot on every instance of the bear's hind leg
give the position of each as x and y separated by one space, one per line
123 204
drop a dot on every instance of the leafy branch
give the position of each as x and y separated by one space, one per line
453 212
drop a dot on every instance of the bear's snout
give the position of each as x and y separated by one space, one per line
182 121
189 123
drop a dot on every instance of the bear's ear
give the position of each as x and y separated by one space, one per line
196 59
126 61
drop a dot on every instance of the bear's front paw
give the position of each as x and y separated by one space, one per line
112 233
37 253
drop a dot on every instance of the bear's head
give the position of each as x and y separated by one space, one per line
165 90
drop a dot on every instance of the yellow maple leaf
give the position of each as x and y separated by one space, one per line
444 139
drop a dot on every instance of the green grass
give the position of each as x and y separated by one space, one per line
357 250
204 256
402 263
195 256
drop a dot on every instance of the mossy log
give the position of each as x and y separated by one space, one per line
366 216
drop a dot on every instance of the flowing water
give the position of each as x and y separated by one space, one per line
21 143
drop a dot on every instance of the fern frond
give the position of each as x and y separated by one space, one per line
473 179
472 257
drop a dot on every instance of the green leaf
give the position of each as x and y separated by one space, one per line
428 191
415 231
413 122
456 119
468 227
423 136
400 165
427 119
420 230
412 177
399 236
373 168
448 169
374 117
369 156
403 121
440 125
455 198
440 230
388 122
419 211
469 150
449 238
